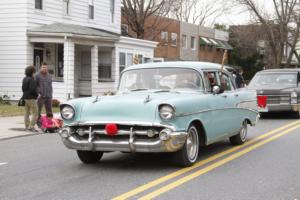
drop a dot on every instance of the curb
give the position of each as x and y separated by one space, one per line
19 136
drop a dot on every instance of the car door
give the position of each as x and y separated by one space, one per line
221 123
230 115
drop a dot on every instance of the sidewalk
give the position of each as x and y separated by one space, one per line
11 127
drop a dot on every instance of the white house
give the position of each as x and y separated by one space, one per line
79 40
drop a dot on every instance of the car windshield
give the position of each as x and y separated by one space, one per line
160 79
274 80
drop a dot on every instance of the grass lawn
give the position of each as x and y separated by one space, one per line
14 110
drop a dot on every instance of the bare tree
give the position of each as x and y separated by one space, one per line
281 27
201 12
138 12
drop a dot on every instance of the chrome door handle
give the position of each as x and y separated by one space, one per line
236 95
224 96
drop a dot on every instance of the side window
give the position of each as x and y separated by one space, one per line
225 81
210 79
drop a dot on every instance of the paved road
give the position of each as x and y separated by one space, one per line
40 167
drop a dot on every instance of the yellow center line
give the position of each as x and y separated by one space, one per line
214 165
198 164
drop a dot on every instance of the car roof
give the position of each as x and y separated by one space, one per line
178 64
282 70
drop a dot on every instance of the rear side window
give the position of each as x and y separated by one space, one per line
225 82
211 80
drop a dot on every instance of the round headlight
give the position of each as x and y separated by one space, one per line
67 112
166 112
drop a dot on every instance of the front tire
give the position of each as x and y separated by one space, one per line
89 157
241 137
187 156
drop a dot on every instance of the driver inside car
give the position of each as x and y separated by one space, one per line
189 80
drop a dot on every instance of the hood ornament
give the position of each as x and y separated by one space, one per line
148 99
96 99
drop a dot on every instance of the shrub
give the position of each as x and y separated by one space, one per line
4 100
109 93
55 103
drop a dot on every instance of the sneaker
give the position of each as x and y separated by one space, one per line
32 130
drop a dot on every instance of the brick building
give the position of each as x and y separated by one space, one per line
179 40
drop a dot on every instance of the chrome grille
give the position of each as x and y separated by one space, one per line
278 99
124 131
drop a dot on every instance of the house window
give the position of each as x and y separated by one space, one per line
91 9
112 9
86 70
39 4
60 61
147 60
140 58
184 41
129 59
125 60
122 61
66 4
193 42
124 29
105 66
174 39
104 72
164 37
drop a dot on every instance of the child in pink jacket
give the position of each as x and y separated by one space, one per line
49 124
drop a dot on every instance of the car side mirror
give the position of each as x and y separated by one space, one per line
217 90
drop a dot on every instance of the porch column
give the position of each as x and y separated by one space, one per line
116 67
69 69
94 65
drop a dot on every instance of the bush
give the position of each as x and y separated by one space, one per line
4 100
109 93
55 103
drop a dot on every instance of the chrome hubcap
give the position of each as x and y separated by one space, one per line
243 132
192 144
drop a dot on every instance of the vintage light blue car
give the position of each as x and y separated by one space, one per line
161 107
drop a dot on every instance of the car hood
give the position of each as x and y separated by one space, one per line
133 106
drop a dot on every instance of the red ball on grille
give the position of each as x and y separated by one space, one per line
111 129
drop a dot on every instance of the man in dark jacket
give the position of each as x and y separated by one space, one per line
239 80
44 88
29 88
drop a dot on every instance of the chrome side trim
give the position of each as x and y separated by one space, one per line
210 110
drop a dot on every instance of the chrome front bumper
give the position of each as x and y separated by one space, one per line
171 143
281 107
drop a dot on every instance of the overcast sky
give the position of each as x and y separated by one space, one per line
238 15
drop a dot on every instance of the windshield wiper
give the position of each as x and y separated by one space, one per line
166 90
138 89
162 90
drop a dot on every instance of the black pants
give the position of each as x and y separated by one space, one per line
51 130
44 101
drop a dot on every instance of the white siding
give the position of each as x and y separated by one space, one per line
69 69
13 47
59 91
53 12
